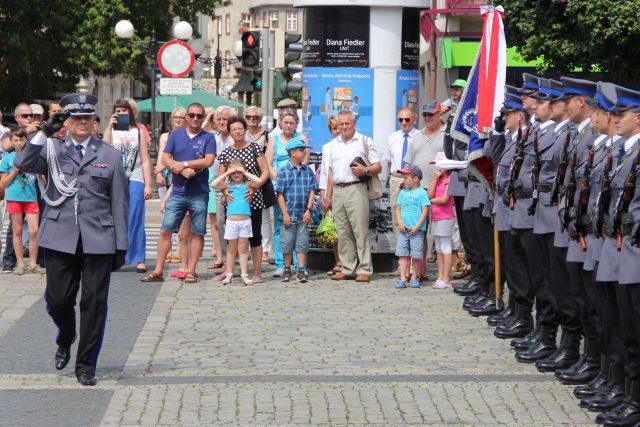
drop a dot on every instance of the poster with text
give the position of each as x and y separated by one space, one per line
326 92
407 90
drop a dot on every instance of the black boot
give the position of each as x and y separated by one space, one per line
521 344
472 288
472 300
520 327
507 320
473 279
543 348
610 397
585 371
628 413
487 308
495 319
567 354
598 383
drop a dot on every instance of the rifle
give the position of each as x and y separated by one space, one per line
604 198
623 202
570 210
535 177
583 202
516 165
562 170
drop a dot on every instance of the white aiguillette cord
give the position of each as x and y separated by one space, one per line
56 176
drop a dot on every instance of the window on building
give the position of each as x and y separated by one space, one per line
265 22
227 24
274 19
227 57
219 23
245 20
255 20
292 21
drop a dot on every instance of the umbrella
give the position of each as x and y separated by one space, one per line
166 104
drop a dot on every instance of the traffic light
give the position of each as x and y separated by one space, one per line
250 49
256 82
292 53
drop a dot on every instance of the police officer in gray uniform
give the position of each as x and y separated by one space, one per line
619 265
84 226
576 93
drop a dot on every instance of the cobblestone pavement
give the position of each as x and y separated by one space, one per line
274 353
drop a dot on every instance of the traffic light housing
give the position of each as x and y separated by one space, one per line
250 49
292 53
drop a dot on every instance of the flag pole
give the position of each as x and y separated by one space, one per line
496 256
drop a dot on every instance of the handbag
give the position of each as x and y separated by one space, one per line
373 182
268 193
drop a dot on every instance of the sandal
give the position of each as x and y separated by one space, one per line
141 268
19 271
153 277
334 270
176 259
215 265
433 259
246 280
228 277
191 278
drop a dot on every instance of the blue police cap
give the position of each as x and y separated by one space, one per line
543 90
529 84
295 143
512 102
511 89
79 104
556 89
578 87
626 99
605 97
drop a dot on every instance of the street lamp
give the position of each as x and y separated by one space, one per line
124 30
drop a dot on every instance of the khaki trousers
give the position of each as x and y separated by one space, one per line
351 215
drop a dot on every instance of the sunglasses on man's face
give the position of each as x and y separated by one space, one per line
27 116
252 117
404 120
196 116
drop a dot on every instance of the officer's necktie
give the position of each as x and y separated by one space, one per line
79 148
405 144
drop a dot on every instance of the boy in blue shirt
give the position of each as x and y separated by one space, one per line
412 209
296 185
21 200
237 229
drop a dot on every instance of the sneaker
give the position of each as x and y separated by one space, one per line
279 272
257 279
400 284
302 276
440 284
415 284
286 276
7 269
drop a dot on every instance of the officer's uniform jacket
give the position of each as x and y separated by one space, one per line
630 254
583 142
546 217
594 244
102 197
455 150
610 259
502 148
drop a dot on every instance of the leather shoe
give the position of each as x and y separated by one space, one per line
495 319
487 308
519 328
471 289
362 278
341 276
605 401
63 354
86 379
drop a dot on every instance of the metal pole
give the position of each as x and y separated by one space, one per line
265 78
217 67
272 72
153 51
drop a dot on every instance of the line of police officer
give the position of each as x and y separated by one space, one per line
566 206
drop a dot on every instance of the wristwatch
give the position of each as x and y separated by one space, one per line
186 164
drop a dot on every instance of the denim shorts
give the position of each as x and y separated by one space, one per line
295 237
178 205
408 245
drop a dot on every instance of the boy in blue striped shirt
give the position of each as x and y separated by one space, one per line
295 185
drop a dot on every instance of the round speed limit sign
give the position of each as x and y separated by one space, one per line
176 58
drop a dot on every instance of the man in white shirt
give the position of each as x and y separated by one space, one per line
394 154
350 198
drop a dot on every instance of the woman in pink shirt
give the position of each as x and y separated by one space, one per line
442 222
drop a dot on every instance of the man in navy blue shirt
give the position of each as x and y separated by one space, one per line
189 153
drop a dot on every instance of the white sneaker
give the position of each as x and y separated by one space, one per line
279 272
441 284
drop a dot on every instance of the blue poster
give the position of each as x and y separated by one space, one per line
407 90
326 92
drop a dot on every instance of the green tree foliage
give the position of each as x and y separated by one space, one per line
577 34
46 45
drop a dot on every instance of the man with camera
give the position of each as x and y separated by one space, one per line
84 227
348 171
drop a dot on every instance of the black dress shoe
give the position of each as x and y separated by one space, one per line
628 413
487 308
524 343
587 369
494 319
519 328
568 353
605 401
63 354
87 379
599 383
467 284
473 300
605 416
540 348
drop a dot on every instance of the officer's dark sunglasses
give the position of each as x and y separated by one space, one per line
27 116
195 116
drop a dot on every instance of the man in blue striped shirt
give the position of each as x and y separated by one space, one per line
296 185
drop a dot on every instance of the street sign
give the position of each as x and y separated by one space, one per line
176 86
176 58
